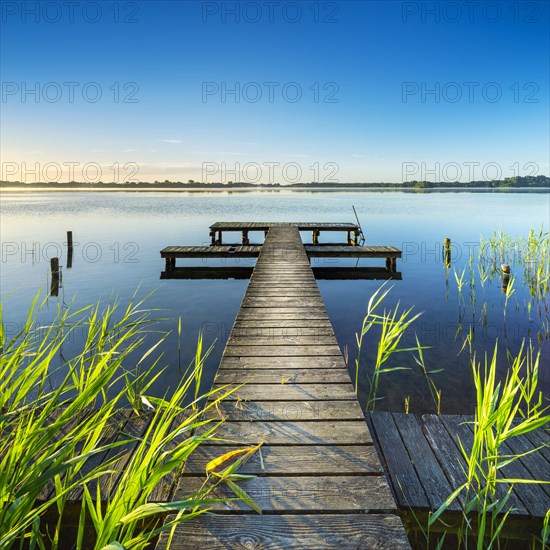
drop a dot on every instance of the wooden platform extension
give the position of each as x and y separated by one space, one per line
424 463
171 253
217 229
319 481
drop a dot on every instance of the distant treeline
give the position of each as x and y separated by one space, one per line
517 181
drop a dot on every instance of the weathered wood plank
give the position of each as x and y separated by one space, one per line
406 485
303 362
536 464
445 449
343 494
288 376
274 323
428 470
284 332
304 532
332 432
281 351
276 314
287 340
292 392
533 497
253 411
267 292
541 439
299 461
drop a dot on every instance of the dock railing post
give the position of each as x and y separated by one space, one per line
170 263
245 237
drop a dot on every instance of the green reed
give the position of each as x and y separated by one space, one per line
504 410
393 324
53 415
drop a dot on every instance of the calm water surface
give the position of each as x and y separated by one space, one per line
118 237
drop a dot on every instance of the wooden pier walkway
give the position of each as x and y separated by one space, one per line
319 481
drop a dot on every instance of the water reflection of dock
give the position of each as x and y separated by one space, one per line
319 481
326 273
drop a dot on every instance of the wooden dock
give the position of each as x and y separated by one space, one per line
319 481
424 463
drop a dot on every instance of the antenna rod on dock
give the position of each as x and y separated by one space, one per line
359 224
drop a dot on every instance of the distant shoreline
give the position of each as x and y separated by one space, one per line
126 189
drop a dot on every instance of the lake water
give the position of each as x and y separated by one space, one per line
118 236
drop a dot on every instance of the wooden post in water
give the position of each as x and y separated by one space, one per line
69 249
54 267
315 236
245 237
447 251
170 263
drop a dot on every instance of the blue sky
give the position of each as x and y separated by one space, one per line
364 70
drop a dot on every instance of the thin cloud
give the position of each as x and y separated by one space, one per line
171 140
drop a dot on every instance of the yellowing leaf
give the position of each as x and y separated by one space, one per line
213 464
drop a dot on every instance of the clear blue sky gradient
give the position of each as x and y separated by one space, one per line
368 54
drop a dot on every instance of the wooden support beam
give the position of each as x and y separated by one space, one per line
315 236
